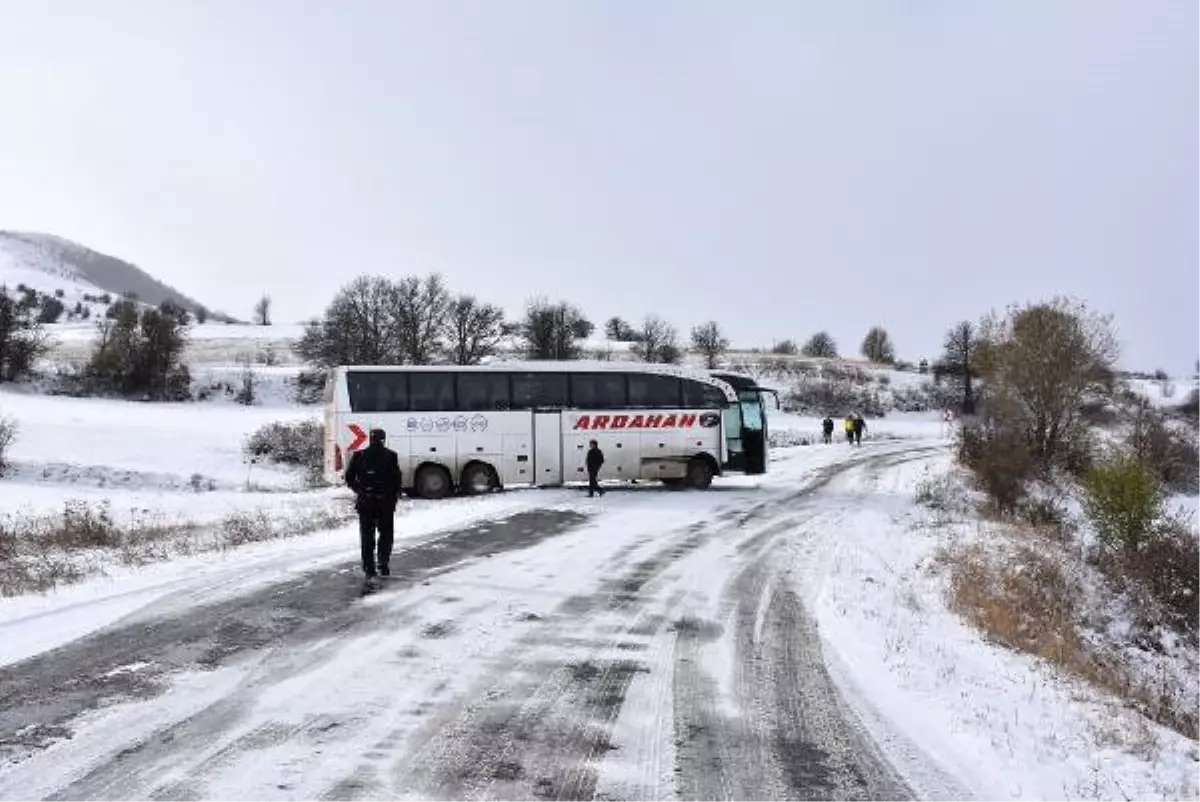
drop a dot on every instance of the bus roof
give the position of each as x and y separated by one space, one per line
550 366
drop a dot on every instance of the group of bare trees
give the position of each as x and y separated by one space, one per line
417 320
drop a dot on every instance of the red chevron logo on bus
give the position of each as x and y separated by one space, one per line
360 437
609 422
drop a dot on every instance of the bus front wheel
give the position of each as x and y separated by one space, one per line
433 482
699 474
478 479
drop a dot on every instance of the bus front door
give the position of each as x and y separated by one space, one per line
547 448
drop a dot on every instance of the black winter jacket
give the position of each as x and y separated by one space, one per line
374 475
595 458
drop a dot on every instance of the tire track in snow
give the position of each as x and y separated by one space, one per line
539 725
790 734
42 697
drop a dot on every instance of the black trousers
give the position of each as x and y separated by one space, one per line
858 436
593 484
374 516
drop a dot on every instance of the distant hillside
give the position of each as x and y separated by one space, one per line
47 263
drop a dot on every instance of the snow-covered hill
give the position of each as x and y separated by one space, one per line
79 277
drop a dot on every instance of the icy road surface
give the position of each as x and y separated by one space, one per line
650 644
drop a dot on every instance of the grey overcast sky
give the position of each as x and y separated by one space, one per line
780 167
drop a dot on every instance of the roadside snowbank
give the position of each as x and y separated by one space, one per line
1007 725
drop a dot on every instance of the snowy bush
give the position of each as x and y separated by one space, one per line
837 397
8 435
310 386
785 438
1122 501
301 444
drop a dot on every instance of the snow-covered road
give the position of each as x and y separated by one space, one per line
628 647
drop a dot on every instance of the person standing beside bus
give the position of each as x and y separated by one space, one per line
374 476
595 459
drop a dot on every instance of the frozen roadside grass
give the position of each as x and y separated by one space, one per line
40 552
1033 587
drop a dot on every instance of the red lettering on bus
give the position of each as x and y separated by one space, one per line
583 422
671 422
652 422
620 421
638 422
687 420
600 422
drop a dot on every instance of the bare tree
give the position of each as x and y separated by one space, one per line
958 362
262 311
616 328
22 338
785 348
358 328
877 346
474 329
1048 358
708 340
550 330
657 341
820 345
419 309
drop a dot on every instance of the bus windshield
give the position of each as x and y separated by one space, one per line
752 411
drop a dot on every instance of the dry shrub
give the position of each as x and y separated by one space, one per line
1170 451
1001 461
1161 580
1025 601
41 552
8 436
240 528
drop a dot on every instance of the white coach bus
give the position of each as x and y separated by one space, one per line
480 428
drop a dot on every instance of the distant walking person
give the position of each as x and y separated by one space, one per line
859 426
374 476
595 459
827 429
848 425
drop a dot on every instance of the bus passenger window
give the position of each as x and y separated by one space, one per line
538 389
483 392
651 390
377 391
598 391
703 396
431 392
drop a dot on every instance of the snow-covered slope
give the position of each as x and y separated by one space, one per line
51 265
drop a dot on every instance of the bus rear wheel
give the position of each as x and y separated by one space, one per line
478 479
432 482
699 474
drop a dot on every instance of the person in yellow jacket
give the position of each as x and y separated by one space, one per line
848 424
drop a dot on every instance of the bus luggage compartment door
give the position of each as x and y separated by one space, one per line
547 448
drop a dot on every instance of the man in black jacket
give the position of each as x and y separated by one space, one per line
374 476
595 459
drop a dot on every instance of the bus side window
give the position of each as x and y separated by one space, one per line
651 390
599 391
483 392
377 391
700 395
431 392
538 389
